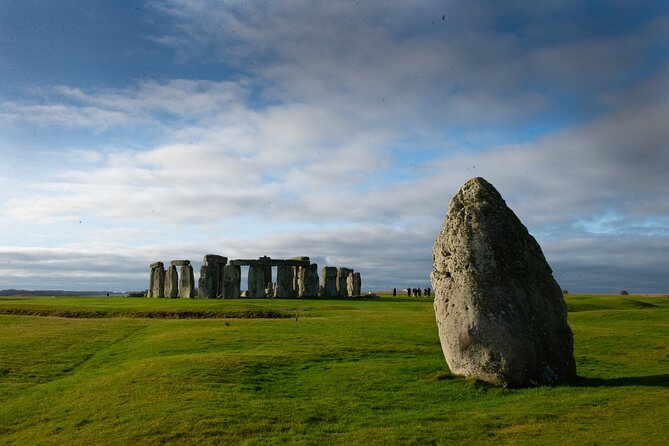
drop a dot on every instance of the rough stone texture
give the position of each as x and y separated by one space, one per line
206 286
232 275
186 282
157 282
284 281
257 281
171 282
349 285
342 275
354 288
270 291
308 281
180 262
500 313
156 265
328 286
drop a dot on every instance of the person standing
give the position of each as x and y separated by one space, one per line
394 292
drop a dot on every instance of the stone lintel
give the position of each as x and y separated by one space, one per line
180 262
157 265
213 258
269 262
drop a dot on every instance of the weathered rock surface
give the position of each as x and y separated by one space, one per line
500 314
206 286
353 284
232 275
180 262
342 276
257 281
308 281
171 282
284 281
328 286
186 282
157 280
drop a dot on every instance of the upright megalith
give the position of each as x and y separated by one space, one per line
186 279
257 281
308 281
500 314
232 275
328 287
342 276
171 282
157 280
284 281
353 284
210 284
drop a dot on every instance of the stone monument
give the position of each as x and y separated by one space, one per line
500 314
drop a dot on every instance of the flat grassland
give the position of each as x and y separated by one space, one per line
87 371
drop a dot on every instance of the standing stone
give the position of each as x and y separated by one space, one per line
308 281
256 281
206 286
328 287
171 282
270 291
284 281
157 280
500 313
232 275
349 285
353 284
210 284
186 281
342 275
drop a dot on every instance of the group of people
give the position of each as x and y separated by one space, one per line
415 292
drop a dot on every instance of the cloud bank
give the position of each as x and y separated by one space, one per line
341 132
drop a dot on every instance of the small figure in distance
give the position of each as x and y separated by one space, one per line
428 291
394 292
419 292
408 292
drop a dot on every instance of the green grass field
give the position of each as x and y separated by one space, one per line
88 371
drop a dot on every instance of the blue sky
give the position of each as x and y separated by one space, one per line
134 131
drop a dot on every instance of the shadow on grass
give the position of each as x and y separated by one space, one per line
646 381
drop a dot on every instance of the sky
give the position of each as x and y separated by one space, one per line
134 132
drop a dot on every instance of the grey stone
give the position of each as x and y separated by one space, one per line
157 281
214 258
328 286
157 265
206 286
171 282
232 275
353 285
257 281
180 262
270 291
342 275
284 281
186 282
308 281
500 314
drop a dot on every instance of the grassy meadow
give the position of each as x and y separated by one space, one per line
87 371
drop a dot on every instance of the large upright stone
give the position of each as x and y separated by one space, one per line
328 287
308 281
500 314
353 285
206 285
284 281
232 275
157 280
213 276
257 281
186 282
171 282
342 275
